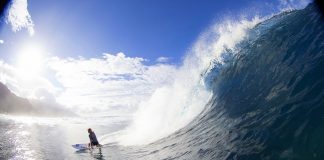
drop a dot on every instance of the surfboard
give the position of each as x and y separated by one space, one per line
80 146
84 146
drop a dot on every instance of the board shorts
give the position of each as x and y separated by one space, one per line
94 143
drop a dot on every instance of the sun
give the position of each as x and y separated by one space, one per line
30 59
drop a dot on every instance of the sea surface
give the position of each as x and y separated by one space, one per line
267 103
24 137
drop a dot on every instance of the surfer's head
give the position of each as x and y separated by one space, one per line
89 130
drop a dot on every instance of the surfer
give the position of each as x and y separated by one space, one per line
93 139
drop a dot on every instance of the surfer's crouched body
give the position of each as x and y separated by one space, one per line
93 139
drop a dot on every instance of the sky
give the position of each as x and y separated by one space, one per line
144 28
102 55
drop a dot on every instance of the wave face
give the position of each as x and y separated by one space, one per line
267 103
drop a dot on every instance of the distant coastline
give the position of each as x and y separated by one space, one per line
15 105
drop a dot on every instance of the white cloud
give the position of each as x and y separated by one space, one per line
111 82
1 41
24 85
108 83
163 59
19 17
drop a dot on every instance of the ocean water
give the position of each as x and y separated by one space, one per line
51 138
267 103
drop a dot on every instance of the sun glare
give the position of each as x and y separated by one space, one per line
30 59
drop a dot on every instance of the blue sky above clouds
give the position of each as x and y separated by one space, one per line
144 28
